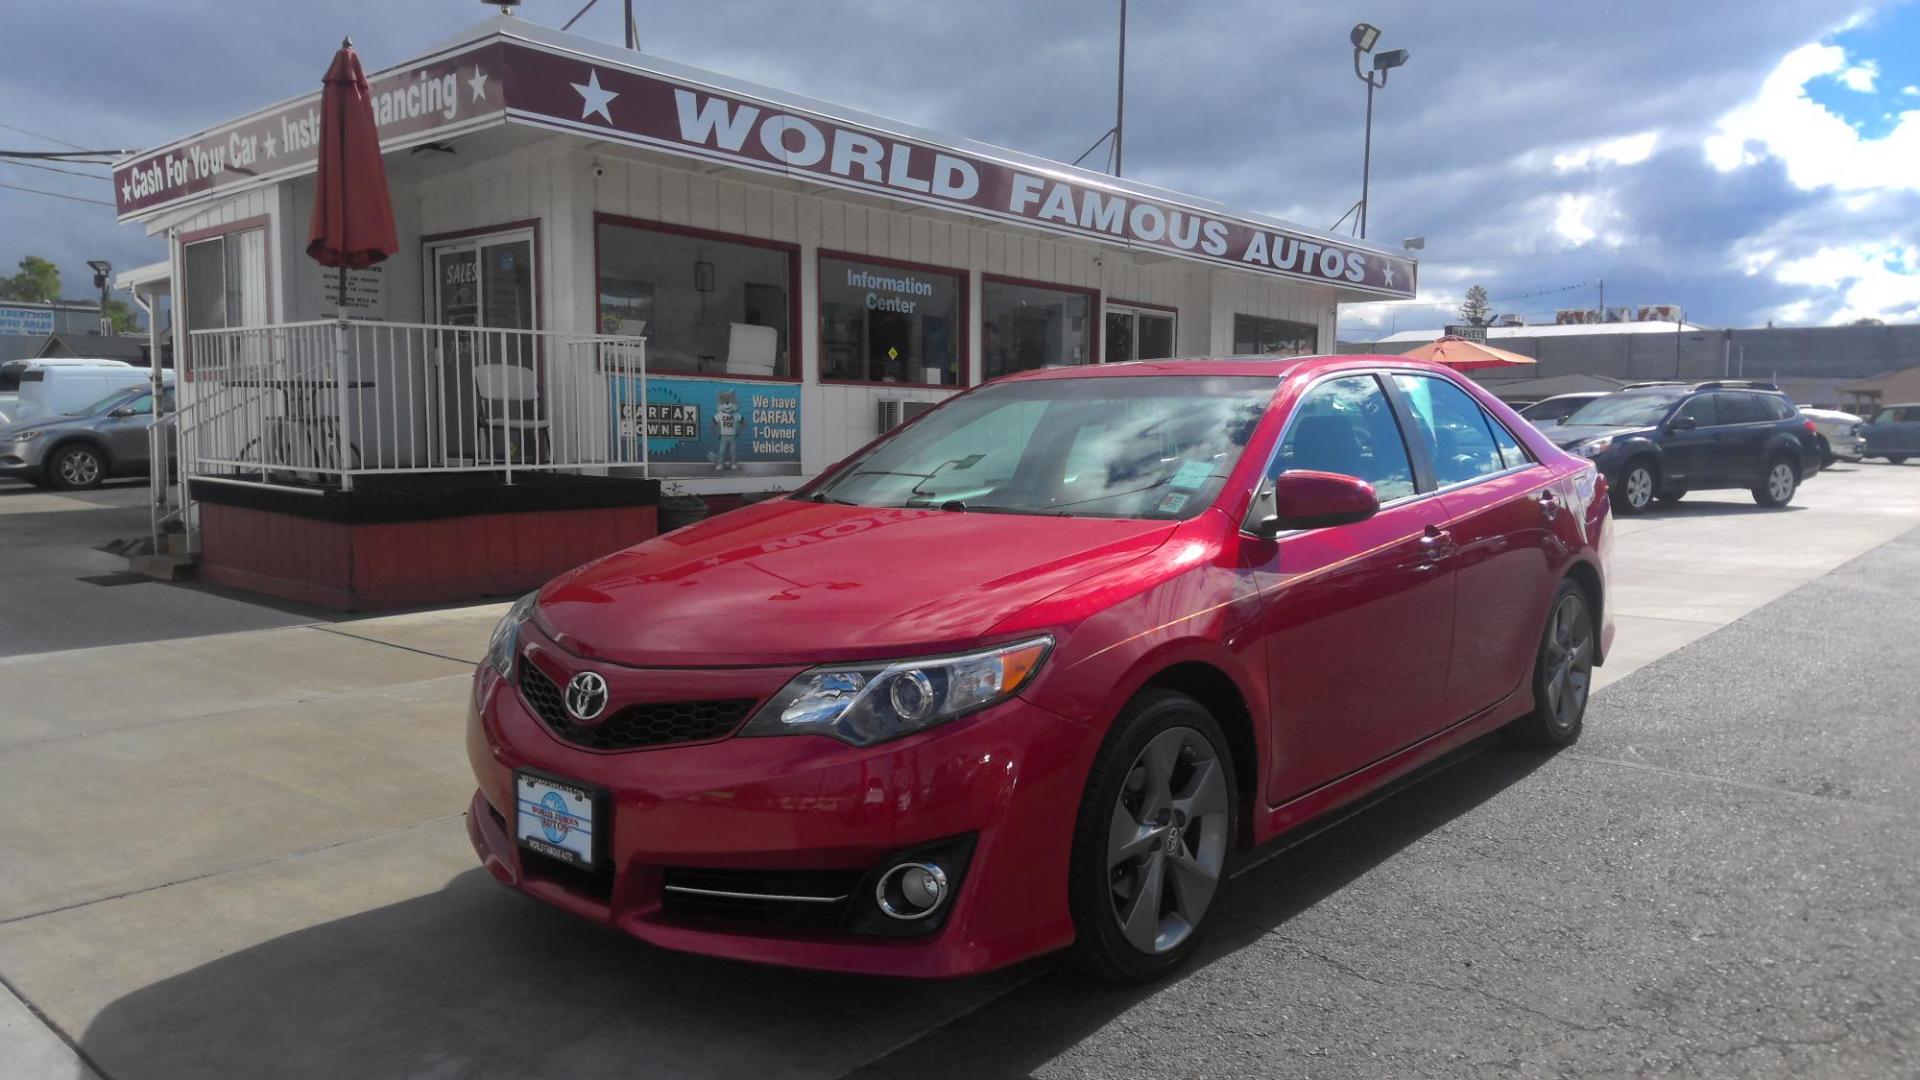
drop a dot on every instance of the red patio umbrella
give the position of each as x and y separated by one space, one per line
1462 355
352 212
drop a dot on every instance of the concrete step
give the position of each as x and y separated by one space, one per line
166 567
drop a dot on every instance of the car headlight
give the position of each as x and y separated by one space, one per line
1595 448
506 633
23 436
863 704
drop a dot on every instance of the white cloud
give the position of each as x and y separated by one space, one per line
1626 150
1911 91
1877 280
1860 76
1571 219
1818 148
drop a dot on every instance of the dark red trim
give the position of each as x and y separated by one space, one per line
1096 315
796 344
966 317
263 222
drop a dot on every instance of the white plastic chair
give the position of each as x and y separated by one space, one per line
509 396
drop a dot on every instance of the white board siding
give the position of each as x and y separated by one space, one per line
553 182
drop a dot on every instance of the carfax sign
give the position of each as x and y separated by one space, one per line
711 427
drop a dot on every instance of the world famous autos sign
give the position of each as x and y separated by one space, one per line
644 108
710 427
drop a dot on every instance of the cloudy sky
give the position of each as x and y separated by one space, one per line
1748 161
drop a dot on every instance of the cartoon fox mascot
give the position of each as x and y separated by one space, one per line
726 424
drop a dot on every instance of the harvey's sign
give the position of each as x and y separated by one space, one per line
684 118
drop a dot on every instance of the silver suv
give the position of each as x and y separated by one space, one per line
82 448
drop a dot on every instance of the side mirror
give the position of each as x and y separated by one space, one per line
1305 499
1681 423
121 413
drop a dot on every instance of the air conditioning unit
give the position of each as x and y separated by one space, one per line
894 412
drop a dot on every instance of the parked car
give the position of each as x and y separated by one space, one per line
1662 440
54 387
1549 412
105 438
1894 434
1031 671
1837 432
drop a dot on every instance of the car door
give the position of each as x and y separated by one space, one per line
1741 448
1357 619
124 430
1691 455
1501 507
1898 430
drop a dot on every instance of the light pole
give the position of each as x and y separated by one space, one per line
1364 37
102 280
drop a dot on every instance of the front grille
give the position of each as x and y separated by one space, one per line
798 899
636 727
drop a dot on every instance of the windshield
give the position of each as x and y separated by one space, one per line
1146 447
1622 410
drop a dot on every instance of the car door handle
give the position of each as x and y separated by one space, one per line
1435 545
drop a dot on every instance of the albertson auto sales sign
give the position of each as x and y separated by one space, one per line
617 102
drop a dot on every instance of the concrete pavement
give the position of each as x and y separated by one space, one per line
242 854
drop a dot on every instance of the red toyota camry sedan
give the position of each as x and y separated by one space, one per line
1032 672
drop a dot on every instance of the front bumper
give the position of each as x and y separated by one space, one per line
22 458
1008 778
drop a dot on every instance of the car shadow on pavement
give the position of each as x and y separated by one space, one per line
473 980
1709 508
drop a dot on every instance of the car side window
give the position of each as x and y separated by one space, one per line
1511 452
1346 426
1741 408
1701 410
141 405
1454 428
1779 407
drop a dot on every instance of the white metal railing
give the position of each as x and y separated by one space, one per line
317 404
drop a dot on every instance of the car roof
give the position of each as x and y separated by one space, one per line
1275 367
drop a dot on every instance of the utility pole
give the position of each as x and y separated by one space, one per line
633 30
1120 103
1603 300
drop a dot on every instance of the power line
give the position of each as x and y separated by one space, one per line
37 135
56 195
73 156
50 168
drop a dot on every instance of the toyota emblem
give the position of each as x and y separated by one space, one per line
586 695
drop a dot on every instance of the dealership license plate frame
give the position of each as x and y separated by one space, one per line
595 798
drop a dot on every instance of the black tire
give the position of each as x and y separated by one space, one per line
1827 456
1634 494
76 467
1674 496
1781 481
1562 672
1896 459
1107 875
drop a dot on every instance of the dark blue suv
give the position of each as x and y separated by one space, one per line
1662 440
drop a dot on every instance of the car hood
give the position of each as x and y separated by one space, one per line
1567 437
792 582
39 422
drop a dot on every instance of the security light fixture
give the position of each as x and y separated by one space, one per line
1414 243
1364 35
1390 59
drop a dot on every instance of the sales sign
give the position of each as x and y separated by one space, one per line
26 320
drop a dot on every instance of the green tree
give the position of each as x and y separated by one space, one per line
1868 321
37 281
122 314
1477 308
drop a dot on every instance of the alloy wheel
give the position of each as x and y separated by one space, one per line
1780 482
1639 487
79 468
1167 844
1569 662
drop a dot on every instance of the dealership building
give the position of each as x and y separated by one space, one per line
718 284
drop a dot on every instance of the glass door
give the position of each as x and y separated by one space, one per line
1138 334
486 382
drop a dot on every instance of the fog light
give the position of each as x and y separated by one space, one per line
912 890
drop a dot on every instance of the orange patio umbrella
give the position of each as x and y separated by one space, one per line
1462 355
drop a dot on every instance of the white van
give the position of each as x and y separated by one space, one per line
31 389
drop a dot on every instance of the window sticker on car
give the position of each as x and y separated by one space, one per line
1171 502
1191 474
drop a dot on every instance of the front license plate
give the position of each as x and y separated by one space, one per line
557 818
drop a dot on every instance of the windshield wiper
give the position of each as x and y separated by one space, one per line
823 497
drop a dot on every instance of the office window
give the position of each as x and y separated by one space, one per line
1255 335
706 304
890 323
1135 333
1032 326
